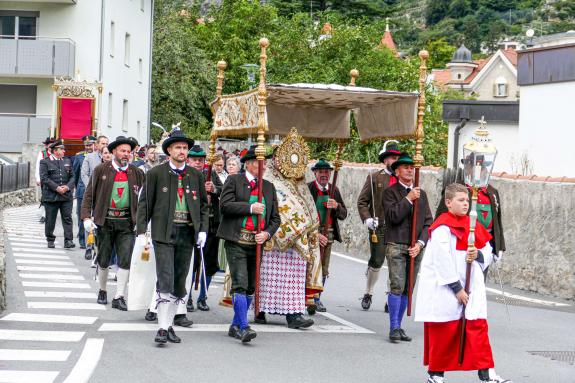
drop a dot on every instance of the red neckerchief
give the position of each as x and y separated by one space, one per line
459 226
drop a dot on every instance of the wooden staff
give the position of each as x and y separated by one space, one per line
418 162
212 150
470 246
261 155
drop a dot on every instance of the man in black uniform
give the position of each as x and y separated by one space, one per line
197 160
57 177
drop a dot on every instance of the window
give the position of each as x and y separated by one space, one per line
127 42
110 103
112 38
459 76
18 24
500 87
140 70
125 116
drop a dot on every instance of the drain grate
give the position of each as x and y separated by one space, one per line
560 356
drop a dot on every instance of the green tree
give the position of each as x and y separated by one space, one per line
440 53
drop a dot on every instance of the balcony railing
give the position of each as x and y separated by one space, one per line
17 129
36 56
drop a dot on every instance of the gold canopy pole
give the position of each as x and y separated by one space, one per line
418 162
261 155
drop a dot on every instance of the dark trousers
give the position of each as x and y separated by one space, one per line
115 234
81 231
242 263
65 208
377 256
211 251
398 260
173 260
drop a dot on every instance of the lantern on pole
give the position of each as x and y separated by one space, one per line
478 159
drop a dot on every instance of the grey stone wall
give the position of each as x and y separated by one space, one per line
537 219
7 200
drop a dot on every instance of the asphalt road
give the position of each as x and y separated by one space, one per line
53 331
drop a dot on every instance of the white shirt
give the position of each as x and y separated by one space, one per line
117 167
174 166
326 187
444 264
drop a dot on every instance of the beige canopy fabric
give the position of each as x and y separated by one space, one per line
322 111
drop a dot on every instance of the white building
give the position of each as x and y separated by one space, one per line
103 40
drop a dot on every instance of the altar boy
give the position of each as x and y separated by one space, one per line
441 296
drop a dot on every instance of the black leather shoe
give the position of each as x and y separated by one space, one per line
233 331
69 245
182 321
120 304
161 336
151 316
42 219
202 305
320 307
366 301
300 322
172 337
190 306
102 297
51 245
246 334
261 318
394 335
88 254
311 309
403 336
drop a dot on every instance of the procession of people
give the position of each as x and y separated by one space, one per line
190 214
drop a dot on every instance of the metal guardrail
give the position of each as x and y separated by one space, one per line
14 177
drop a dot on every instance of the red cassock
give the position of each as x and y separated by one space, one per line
441 346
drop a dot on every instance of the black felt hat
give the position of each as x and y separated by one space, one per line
250 154
48 141
121 140
57 144
176 136
390 148
322 164
404 159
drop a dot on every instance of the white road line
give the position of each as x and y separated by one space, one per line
268 328
42 336
34 355
358 329
66 306
41 256
62 285
87 362
44 268
40 262
527 299
59 294
45 318
52 276
39 250
492 290
27 240
14 376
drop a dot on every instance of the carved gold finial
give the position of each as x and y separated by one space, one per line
262 97
354 73
222 65
419 132
338 163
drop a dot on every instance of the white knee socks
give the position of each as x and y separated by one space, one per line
372 277
123 276
103 278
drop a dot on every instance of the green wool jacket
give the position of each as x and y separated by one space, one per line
158 201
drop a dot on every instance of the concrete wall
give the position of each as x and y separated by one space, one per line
537 221
7 200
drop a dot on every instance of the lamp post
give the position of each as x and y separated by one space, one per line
478 159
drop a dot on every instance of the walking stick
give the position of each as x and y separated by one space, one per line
337 163
470 246
418 162
260 155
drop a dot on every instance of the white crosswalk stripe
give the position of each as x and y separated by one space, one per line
65 306
47 268
65 285
35 355
14 376
38 250
52 276
60 294
41 336
41 256
44 318
41 262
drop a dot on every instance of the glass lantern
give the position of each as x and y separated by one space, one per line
478 157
